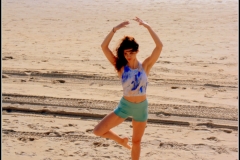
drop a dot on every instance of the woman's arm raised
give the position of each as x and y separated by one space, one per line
151 60
108 53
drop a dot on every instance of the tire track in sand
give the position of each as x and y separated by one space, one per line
154 108
86 78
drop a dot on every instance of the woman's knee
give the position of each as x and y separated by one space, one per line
97 131
136 141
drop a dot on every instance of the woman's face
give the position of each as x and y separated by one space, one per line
130 55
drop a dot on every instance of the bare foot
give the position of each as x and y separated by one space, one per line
124 143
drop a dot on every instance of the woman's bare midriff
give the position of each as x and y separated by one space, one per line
135 99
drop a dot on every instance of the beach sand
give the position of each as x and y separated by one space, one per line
57 84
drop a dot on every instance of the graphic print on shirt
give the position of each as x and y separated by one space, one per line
126 74
134 81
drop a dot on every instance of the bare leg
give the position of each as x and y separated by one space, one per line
108 122
138 130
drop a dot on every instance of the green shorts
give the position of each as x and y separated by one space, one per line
138 111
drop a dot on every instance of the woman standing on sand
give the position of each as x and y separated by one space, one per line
133 76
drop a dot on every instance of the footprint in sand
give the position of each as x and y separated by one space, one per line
21 153
28 73
227 131
48 150
98 144
70 125
31 79
222 58
208 95
53 134
105 145
77 144
5 76
7 58
85 153
213 139
58 81
221 90
64 153
89 130
26 139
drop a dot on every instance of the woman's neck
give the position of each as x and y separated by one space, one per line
133 64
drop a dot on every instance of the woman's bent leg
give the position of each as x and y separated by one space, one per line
108 122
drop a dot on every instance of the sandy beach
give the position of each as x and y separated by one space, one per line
57 84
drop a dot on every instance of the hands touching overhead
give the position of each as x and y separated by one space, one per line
125 23
141 22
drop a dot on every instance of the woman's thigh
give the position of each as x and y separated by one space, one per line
138 130
108 122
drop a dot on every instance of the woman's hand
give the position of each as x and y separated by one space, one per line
121 25
141 22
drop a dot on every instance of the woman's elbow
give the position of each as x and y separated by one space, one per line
102 46
161 44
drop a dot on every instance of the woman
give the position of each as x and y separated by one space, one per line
133 76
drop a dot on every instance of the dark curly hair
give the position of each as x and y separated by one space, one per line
126 42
